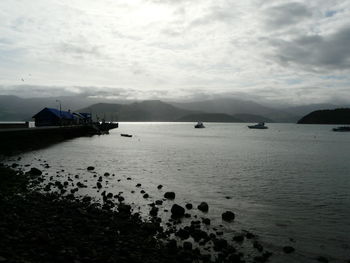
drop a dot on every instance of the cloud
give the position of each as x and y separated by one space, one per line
286 14
315 52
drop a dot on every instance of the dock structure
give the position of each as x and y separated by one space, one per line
22 139
51 126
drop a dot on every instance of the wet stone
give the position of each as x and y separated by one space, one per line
322 259
187 245
177 211
169 195
204 207
189 206
35 171
288 249
206 221
228 216
160 186
158 202
145 196
238 238
90 168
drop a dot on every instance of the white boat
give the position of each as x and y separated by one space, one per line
199 125
260 125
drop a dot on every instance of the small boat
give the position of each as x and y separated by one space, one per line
342 129
126 135
199 125
260 125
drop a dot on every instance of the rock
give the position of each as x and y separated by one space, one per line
109 195
206 221
228 216
129 178
35 171
2 259
160 186
203 207
183 234
177 211
154 211
322 259
189 206
172 245
158 202
99 185
145 196
106 174
238 238
90 168
142 191
258 246
187 245
138 185
169 195
288 249
220 244
81 185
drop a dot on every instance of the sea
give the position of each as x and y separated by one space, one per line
289 184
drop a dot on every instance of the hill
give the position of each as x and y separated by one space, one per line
152 110
209 117
336 116
234 106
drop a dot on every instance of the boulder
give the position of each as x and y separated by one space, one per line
288 249
203 207
206 221
35 171
228 216
169 195
177 211
160 186
189 206
90 168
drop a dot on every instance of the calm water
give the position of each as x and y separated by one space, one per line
290 184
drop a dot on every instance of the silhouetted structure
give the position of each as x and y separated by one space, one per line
54 117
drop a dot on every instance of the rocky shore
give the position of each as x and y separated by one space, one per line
44 221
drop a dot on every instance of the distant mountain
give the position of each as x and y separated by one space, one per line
252 118
209 117
235 106
13 108
336 116
152 110
302 110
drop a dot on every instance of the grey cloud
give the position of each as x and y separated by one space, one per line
79 50
215 14
286 14
315 52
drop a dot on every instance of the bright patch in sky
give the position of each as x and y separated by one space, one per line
272 50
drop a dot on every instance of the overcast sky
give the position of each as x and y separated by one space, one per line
289 51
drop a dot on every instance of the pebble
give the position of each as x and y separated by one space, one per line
204 207
169 195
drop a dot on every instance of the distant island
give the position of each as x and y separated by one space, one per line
336 116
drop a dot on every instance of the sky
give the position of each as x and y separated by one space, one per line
280 51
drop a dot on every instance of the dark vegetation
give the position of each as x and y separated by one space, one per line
336 116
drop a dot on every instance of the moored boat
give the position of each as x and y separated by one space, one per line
260 125
126 135
342 129
199 125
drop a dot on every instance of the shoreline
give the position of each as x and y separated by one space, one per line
55 227
179 243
